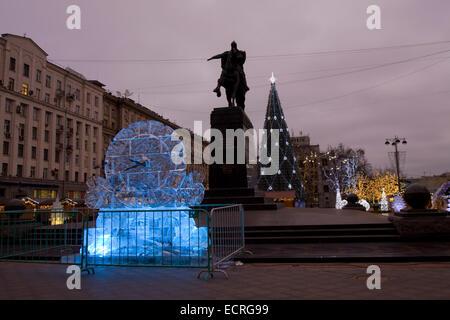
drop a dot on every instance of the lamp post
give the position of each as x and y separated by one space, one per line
395 141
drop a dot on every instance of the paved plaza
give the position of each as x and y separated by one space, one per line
252 281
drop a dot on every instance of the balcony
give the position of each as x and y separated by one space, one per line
59 93
70 97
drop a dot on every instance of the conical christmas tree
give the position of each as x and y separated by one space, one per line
287 177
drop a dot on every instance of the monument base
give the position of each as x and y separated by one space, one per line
229 183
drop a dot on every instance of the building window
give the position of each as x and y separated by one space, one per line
38 93
48 81
85 145
95 132
19 170
20 150
5 148
88 112
94 147
78 94
35 114
21 109
96 116
34 133
44 174
4 169
33 152
77 143
77 109
8 105
76 176
48 117
58 84
26 70
45 154
47 136
33 172
87 129
85 177
47 98
12 64
96 101
57 156
7 127
21 131
38 75
94 163
77 160
24 89
67 175
11 84
88 98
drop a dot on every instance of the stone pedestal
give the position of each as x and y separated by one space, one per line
229 183
419 224
229 175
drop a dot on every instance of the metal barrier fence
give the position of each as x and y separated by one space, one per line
41 236
227 235
169 237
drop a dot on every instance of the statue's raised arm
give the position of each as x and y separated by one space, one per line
217 56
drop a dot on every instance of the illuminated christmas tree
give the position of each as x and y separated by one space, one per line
384 206
398 204
339 202
287 177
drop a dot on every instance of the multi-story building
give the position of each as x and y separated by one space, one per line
119 112
52 124
311 164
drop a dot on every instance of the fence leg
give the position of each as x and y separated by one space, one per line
84 252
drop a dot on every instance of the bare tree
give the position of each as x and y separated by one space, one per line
345 164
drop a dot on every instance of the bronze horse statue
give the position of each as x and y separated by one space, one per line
232 78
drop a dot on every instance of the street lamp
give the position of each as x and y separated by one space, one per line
395 141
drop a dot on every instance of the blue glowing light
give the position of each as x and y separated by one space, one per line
145 197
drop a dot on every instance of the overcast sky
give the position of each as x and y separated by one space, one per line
357 97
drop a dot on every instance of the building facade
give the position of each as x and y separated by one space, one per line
311 163
52 125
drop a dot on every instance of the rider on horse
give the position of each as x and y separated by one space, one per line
232 63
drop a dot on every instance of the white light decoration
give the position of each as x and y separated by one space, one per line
270 188
273 79
285 158
290 186
279 172
398 204
384 206
275 118
339 202
448 209
365 204
268 118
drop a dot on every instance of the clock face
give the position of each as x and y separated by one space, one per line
140 172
